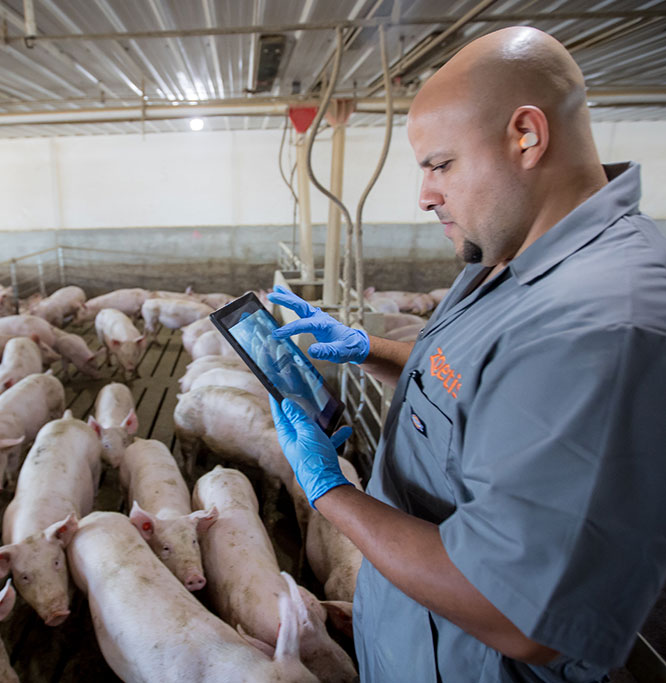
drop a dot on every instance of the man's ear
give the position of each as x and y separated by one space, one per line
528 135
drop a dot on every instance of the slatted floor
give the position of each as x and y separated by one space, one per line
69 653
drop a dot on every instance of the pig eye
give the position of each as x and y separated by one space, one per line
166 550
57 563
24 578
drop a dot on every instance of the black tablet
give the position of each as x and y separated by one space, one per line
278 363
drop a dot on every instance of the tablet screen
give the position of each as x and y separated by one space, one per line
282 363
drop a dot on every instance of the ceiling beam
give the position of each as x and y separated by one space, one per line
346 24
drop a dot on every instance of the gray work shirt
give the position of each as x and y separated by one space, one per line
529 424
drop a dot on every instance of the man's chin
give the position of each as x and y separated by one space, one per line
471 253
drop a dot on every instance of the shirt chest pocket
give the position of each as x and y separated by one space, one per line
429 469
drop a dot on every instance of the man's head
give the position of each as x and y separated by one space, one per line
503 136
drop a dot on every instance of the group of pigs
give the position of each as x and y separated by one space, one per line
139 570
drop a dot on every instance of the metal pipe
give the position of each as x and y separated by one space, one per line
321 188
29 15
358 227
345 24
305 221
332 255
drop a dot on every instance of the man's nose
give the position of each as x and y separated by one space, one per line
429 198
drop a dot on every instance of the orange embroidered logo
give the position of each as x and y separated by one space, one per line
442 370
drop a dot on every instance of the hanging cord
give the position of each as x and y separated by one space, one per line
350 226
358 228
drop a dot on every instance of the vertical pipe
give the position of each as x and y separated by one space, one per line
15 288
29 17
61 266
40 273
305 246
332 260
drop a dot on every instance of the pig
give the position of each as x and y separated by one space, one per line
221 418
245 579
172 313
7 306
150 628
164 294
121 339
56 486
216 300
73 349
406 333
20 358
395 320
212 343
233 377
128 301
408 302
194 330
161 509
62 304
116 421
24 409
7 599
28 326
439 294
197 368
334 559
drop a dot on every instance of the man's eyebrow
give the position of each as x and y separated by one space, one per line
427 161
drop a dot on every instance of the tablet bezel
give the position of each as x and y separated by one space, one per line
250 303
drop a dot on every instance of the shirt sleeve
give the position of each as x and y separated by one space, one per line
563 454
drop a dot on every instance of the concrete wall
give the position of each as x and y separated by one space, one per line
231 178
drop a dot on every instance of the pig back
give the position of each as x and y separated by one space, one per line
113 404
151 475
242 571
60 475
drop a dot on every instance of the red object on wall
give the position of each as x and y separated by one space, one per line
302 117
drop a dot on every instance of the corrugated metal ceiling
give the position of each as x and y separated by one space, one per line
147 65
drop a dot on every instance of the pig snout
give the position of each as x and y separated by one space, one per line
194 581
56 618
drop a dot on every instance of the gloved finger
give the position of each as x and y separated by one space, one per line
327 350
282 424
288 299
296 415
340 436
296 327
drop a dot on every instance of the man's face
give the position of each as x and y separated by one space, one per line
468 182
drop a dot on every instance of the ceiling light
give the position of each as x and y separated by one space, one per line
196 124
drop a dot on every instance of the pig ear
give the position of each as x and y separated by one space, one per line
297 598
131 423
340 614
92 422
8 443
9 383
143 521
205 520
288 637
6 552
7 599
62 532
115 343
141 341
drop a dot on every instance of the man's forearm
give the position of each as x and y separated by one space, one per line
386 359
410 554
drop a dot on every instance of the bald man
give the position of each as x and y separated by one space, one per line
513 527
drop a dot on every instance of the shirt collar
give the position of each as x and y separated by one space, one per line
614 200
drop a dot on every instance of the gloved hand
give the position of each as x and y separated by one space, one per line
309 451
337 342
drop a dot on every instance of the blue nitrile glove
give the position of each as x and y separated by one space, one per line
337 342
309 451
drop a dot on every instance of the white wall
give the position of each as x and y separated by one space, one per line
232 178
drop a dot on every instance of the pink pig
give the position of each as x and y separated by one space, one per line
121 339
150 628
7 599
161 509
56 485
